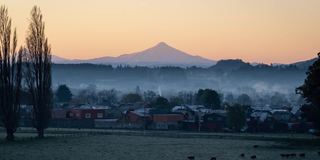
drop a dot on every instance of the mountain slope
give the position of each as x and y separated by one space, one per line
58 60
305 64
159 55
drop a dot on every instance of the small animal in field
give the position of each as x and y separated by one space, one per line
213 158
302 155
255 146
319 153
253 157
285 155
191 158
293 155
242 155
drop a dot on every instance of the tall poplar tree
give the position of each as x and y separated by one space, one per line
39 71
10 75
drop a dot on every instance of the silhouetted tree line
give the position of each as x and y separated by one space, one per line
310 90
124 70
25 75
207 97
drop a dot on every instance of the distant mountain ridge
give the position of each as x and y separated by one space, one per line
160 55
164 55
230 64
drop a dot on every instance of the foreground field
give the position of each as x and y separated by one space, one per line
88 146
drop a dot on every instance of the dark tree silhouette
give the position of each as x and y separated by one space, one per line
149 96
187 97
88 95
176 101
244 99
279 99
236 116
10 75
310 90
161 102
63 94
39 72
108 97
229 98
209 98
131 98
161 105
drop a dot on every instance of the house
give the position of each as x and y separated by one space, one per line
260 120
215 121
143 118
132 106
87 112
191 112
166 121
59 113
296 111
199 117
298 123
138 115
261 115
282 115
136 119
270 120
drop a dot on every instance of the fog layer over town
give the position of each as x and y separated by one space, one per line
228 77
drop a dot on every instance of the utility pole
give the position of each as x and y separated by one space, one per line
144 118
199 120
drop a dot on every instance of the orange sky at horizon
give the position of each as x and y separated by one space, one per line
268 31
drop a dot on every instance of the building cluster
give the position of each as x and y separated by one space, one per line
184 117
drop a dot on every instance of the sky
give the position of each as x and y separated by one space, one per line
263 31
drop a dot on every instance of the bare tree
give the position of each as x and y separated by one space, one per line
108 97
10 75
39 71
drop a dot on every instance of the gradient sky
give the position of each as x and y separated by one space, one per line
279 31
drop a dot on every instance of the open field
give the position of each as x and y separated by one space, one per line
105 145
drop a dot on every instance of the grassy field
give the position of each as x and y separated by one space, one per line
104 145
